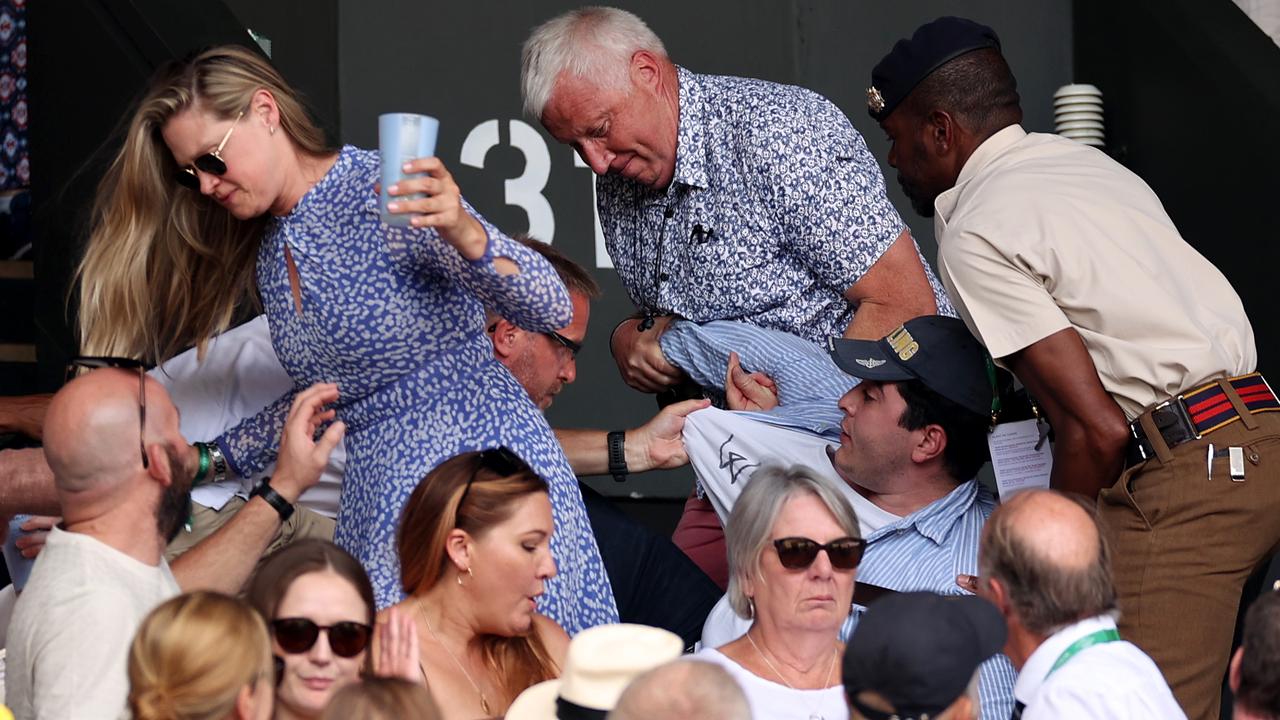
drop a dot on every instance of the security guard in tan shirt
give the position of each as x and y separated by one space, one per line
1068 269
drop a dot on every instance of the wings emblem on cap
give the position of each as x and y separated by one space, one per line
870 363
875 100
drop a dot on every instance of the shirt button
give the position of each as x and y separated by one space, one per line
663 277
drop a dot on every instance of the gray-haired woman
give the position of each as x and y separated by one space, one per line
794 548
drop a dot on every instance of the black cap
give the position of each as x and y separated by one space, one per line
919 650
938 351
930 47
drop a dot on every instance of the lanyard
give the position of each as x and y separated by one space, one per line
1097 638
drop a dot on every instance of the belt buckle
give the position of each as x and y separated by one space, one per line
1180 405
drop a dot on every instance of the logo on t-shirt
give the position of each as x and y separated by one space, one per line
734 461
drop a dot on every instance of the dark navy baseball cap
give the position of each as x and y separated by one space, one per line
938 351
918 651
912 60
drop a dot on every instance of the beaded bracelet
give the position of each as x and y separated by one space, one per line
204 463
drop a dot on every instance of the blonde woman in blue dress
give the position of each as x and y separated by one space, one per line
225 191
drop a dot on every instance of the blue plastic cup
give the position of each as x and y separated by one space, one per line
403 137
19 567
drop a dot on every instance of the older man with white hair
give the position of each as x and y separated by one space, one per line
722 197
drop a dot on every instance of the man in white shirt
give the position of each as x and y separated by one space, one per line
113 443
1255 668
1046 566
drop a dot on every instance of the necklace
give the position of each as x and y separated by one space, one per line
484 703
813 714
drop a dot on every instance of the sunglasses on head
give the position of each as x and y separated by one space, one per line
211 163
501 462
798 553
298 635
96 363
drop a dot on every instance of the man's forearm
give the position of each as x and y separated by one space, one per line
1085 462
588 451
224 561
26 484
24 414
874 320
892 291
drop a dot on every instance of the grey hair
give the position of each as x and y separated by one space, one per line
751 521
592 42
685 688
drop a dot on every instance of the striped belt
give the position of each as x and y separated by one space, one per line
1197 413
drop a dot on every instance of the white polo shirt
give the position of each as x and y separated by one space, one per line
1107 680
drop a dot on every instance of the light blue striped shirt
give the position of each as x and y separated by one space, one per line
925 551
809 383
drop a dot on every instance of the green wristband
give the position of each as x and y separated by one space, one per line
204 463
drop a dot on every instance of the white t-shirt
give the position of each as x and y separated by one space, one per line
725 449
1108 680
239 376
775 701
71 629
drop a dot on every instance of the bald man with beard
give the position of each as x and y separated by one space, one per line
103 569
1046 566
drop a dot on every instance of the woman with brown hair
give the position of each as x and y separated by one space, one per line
474 557
225 194
318 604
201 656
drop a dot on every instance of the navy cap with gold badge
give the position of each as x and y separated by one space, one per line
930 47
938 351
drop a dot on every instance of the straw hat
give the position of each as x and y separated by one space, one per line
602 661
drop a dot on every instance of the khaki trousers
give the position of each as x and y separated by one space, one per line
205 521
1183 546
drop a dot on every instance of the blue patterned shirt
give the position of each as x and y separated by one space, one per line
775 209
925 551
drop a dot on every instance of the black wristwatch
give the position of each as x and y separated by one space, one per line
618 455
273 498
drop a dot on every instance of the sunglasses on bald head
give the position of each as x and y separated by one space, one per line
299 635
94 363
211 163
798 553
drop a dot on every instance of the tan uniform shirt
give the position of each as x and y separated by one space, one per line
1041 233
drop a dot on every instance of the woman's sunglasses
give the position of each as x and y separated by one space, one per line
211 163
298 635
798 553
500 461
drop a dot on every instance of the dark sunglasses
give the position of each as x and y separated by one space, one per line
298 635
574 347
211 163
798 553
501 462
96 363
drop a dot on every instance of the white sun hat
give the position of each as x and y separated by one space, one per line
602 661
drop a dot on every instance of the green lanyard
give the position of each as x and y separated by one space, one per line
1097 638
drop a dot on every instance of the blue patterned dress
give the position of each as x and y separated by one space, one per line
394 316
